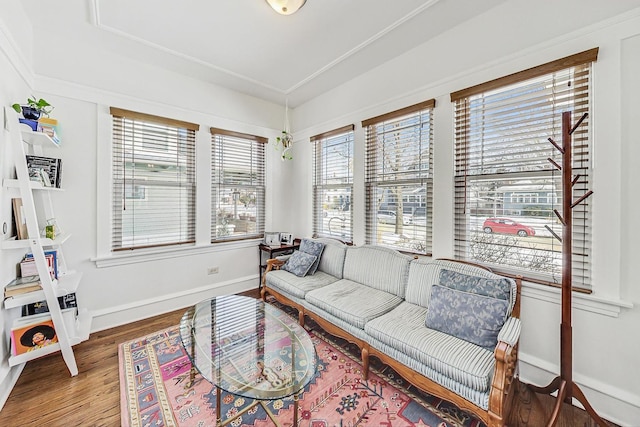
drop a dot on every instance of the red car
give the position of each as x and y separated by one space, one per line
507 226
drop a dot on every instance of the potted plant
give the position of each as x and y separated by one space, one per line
286 141
33 109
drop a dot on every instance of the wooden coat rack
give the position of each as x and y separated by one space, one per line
564 384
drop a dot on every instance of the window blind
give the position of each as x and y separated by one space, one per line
505 187
237 185
399 178
153 166
333 183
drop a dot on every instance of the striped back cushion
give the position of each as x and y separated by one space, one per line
425 272
381 268
332 258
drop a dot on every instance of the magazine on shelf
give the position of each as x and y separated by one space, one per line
65 301
47 170
28 334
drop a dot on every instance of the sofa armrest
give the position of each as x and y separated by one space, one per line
510 332
272 264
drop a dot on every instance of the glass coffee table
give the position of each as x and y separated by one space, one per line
248 348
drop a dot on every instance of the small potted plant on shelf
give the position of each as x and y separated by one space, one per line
32 111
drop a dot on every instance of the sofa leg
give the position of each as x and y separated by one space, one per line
365 361
301 317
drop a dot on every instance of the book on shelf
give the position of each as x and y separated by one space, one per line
65 301
20 219
28 266
22 285
46 170
49 127
53 253
32 333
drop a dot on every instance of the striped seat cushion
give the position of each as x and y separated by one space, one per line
352 302
290 284
403 329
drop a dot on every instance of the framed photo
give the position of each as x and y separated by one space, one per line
272 238
286 238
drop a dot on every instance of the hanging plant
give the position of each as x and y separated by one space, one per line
286 141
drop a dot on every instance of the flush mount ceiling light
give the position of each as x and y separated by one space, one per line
286 7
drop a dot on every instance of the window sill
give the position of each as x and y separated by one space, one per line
586 302
154 254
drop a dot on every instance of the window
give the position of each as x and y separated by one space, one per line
333 184
399 178
153 180
502 169
237 185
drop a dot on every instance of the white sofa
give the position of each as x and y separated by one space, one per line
382 301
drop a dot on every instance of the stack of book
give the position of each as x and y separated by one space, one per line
22 285
50 127
28 265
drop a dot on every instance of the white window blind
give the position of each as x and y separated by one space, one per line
333 183
399 178
505 187
153 180
237 185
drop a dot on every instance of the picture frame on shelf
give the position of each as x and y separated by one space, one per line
286 238
272 238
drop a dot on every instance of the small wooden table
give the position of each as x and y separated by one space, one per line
273 251
248 348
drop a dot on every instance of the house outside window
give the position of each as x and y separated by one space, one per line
503 170
399 178
237 185
333 184
153 167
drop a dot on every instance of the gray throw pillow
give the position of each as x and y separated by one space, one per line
495 288
471 317
299 263
312 248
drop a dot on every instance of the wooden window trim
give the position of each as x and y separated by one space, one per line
590 55
431 103
218 131
335 132
134 115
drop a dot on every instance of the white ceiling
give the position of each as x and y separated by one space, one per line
246 46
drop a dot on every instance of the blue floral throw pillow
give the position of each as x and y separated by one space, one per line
472 317
312 248
299 263
495 288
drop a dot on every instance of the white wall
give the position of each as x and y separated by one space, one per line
512 37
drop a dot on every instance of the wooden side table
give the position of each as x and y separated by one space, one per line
268 252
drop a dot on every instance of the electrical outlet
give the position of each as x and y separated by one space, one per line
212 270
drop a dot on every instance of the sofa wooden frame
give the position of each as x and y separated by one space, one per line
503 386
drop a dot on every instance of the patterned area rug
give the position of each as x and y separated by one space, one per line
155 369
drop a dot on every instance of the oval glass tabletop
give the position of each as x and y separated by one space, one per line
247 347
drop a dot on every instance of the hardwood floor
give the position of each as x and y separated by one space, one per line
45 394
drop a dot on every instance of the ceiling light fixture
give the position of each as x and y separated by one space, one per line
286 7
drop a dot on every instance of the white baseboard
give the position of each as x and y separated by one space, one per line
9 377
610 402
139 310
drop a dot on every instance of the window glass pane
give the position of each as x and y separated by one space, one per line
237 187
333 186
153 184
507 183
399 182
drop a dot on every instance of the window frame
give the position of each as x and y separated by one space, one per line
185 146
462 176
257 170
320 185
377 174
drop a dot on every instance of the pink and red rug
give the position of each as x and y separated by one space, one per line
154 370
